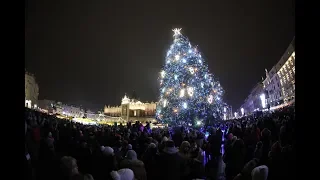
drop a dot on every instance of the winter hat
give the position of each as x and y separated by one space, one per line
131 155
129 147
122 174
49 134
152 145
164 139
108 151
260 173
102 148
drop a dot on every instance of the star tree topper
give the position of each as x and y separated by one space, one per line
176 31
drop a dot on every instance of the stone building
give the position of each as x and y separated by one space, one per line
131 109
279 84
31 89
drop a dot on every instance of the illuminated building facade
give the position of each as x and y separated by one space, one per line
31 89
253 101
279 84
131 108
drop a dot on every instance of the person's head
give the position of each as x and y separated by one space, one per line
152 146
260 173
88 177
170 147
247 169
265 133
107 151
164 139
184 147
238 145
82 177
258 150
131 155
69 166
122 174
129 147
275 150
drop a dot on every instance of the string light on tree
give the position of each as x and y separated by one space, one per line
182 93
190 91
191 70
177 57
185 105
191 96
210 99
163 73
164 103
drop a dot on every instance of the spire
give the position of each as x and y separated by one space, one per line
267 74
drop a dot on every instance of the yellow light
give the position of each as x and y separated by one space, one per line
163 73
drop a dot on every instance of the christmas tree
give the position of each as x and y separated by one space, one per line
189 94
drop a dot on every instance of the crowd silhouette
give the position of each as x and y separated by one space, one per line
257 147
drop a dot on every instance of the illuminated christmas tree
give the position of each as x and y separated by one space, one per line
189 94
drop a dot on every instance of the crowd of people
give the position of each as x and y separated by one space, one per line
257 148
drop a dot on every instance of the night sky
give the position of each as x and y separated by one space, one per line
93 52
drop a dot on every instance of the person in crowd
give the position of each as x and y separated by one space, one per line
55 148
197 170
68 167
122 174
235 159
260 173
150 158
170 162
137 166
